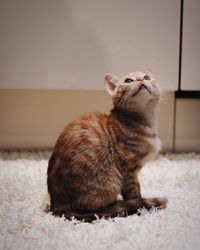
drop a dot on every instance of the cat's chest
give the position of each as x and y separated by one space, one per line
139 150
154 145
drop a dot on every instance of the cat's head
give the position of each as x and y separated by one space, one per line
134 91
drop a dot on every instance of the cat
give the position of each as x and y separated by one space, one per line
97 157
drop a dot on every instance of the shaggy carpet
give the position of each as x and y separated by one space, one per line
23 224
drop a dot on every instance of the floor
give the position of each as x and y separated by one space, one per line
25 226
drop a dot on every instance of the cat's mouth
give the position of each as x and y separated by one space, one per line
142 87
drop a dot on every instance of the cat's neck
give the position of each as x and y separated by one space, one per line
131 119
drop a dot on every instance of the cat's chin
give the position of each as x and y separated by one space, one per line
144 100
145 93
142 90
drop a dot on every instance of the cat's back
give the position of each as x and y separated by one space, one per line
85 132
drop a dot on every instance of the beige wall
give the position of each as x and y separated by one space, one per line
187 129
34 118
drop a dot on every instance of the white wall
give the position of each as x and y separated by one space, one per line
72 43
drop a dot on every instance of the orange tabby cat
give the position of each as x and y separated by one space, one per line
97 157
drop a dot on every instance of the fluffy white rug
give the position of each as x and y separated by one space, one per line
23 225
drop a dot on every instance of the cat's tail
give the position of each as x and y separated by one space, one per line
116 209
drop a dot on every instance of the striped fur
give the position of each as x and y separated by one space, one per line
97 157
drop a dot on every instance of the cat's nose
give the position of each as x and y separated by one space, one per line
140 79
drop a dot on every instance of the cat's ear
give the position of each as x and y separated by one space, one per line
111 83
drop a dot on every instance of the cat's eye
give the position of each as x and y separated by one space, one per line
128 80
146 77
